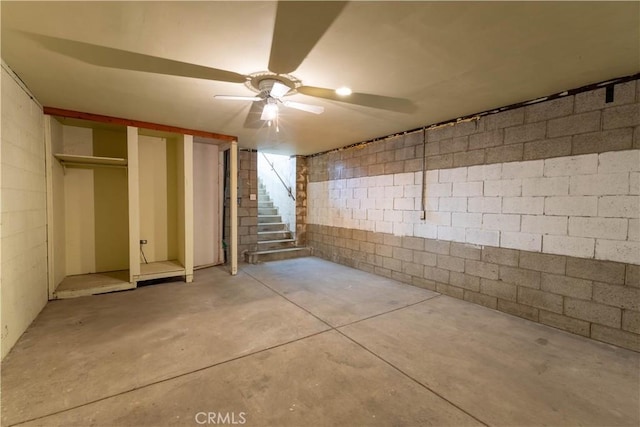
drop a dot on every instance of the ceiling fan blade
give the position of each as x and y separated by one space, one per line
125 60
315 109
253 116
279 90
238 98
299 25
400 105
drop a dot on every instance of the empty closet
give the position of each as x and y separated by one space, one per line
122 206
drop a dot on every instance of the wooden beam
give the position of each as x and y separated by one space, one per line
133 186
233 206
135 123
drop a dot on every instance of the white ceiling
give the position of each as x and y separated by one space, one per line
449 59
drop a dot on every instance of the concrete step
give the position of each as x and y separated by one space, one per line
276 254
260 242
269 219
273 226
265 245
264 236
267 211
262 204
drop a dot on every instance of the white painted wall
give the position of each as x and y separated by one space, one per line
79 222
111 203
90 206
158 197
79 225
584 206
23 273
206 204
286 167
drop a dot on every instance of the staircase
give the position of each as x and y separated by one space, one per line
275 241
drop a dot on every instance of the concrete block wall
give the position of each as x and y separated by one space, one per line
584 206
247 208
23 234
525 210
302 177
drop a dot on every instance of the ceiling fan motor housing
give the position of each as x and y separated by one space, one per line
262 82
265 86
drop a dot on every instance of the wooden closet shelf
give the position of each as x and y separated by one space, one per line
73 159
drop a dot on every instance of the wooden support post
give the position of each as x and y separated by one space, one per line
233 206
51 267
133 178
187 147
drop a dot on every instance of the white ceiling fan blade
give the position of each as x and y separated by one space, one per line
238 98
279 90
315 109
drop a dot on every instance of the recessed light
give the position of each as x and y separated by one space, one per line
343 91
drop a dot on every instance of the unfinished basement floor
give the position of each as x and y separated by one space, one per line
306 342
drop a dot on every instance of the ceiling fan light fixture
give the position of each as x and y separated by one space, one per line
343 91
270 112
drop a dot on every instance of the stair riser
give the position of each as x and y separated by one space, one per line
275 236
271 227
267 211
276 256
269 220
269 246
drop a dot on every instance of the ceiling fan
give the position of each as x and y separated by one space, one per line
271 95
299 25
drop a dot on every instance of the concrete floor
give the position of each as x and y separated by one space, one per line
306 342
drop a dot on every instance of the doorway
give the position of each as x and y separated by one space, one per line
277 190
